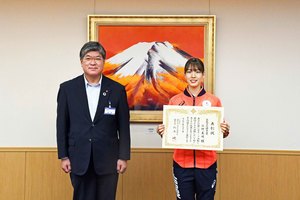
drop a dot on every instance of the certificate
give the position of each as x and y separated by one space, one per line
192 127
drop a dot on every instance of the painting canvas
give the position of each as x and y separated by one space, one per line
147 54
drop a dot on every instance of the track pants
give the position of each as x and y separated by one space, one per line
195 183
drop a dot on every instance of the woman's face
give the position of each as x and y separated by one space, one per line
194 77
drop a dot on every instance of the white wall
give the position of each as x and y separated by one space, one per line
257 65
257 72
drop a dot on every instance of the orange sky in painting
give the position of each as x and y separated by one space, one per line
117 38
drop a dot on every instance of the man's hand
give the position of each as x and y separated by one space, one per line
66 165
121 166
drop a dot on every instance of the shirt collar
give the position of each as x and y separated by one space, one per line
92 84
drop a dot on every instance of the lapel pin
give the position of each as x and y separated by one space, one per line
104 93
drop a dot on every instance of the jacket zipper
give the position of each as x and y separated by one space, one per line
194 103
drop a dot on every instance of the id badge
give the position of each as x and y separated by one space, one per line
109 111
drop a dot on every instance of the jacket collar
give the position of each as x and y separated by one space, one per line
186 92
103 96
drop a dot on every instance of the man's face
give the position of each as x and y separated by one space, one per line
92 64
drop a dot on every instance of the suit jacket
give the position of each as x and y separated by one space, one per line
106 138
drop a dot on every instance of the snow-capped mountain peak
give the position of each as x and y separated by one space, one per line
143 57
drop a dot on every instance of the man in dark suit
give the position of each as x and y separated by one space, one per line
93 136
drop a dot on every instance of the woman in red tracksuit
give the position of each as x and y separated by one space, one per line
195 171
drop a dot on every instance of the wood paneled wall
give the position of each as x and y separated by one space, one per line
35 174
259 175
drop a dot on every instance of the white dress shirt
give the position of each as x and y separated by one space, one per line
93 93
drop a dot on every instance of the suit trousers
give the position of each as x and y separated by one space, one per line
92 186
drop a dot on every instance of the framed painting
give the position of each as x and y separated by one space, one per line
147 54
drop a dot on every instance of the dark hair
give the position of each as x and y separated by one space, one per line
194 64
92 46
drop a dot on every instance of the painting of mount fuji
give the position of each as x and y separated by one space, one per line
148 58
152 72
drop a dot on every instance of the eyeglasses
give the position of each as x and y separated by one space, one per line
90 59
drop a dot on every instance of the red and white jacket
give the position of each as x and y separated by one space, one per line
187 158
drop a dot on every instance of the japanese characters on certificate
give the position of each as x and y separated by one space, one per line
192 127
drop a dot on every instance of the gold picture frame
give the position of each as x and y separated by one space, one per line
185 34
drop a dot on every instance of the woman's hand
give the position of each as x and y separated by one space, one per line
160 129
225 129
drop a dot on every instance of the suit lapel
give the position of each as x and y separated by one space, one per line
103 98
83 97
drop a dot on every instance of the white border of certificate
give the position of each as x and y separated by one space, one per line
193 127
